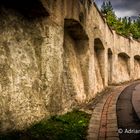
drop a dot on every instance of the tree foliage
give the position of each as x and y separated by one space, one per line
125 26
106 7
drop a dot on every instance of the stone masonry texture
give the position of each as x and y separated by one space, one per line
56 55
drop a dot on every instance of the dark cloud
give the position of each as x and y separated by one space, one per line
124 7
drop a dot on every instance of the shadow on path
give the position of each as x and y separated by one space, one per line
128 122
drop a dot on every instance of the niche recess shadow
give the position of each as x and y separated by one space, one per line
28 8
75 51
110 66
99 61
124 66
137 66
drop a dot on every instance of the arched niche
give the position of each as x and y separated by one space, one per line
137 67
123 67
124 55
109 52
75 60
99 52
137 57
75 29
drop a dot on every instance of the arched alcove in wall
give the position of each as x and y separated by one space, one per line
123 67
75 60
110 66
137 67
99 63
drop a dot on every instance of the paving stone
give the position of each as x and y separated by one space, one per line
112 133
113 116
102 135
111 121
98 109
112 110
96 122
100 138
112 107
97 117
111 113
112 125
93 135
103 123
93 122
99 105
96 113
112 129
104 116
95 127
105 109
93 130
112 138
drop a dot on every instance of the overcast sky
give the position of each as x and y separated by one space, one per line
124 7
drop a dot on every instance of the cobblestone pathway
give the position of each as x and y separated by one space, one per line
103 124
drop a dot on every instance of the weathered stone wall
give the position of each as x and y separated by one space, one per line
137 67
123 69
21 100
56 56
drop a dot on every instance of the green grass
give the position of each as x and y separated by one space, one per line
70 126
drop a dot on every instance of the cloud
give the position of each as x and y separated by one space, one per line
124 7
123 13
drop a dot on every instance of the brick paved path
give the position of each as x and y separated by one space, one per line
103 124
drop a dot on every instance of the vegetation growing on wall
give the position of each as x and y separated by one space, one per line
125 26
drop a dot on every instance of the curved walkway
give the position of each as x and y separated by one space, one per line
128 121
104 124
136 100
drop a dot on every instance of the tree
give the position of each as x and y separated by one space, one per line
129 21
135 28
124 26
107 10
106 7
119 26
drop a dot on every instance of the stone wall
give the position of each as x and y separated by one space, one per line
56 55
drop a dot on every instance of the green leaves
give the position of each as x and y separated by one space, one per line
107 10
124 26
106 7
111 19
70 126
